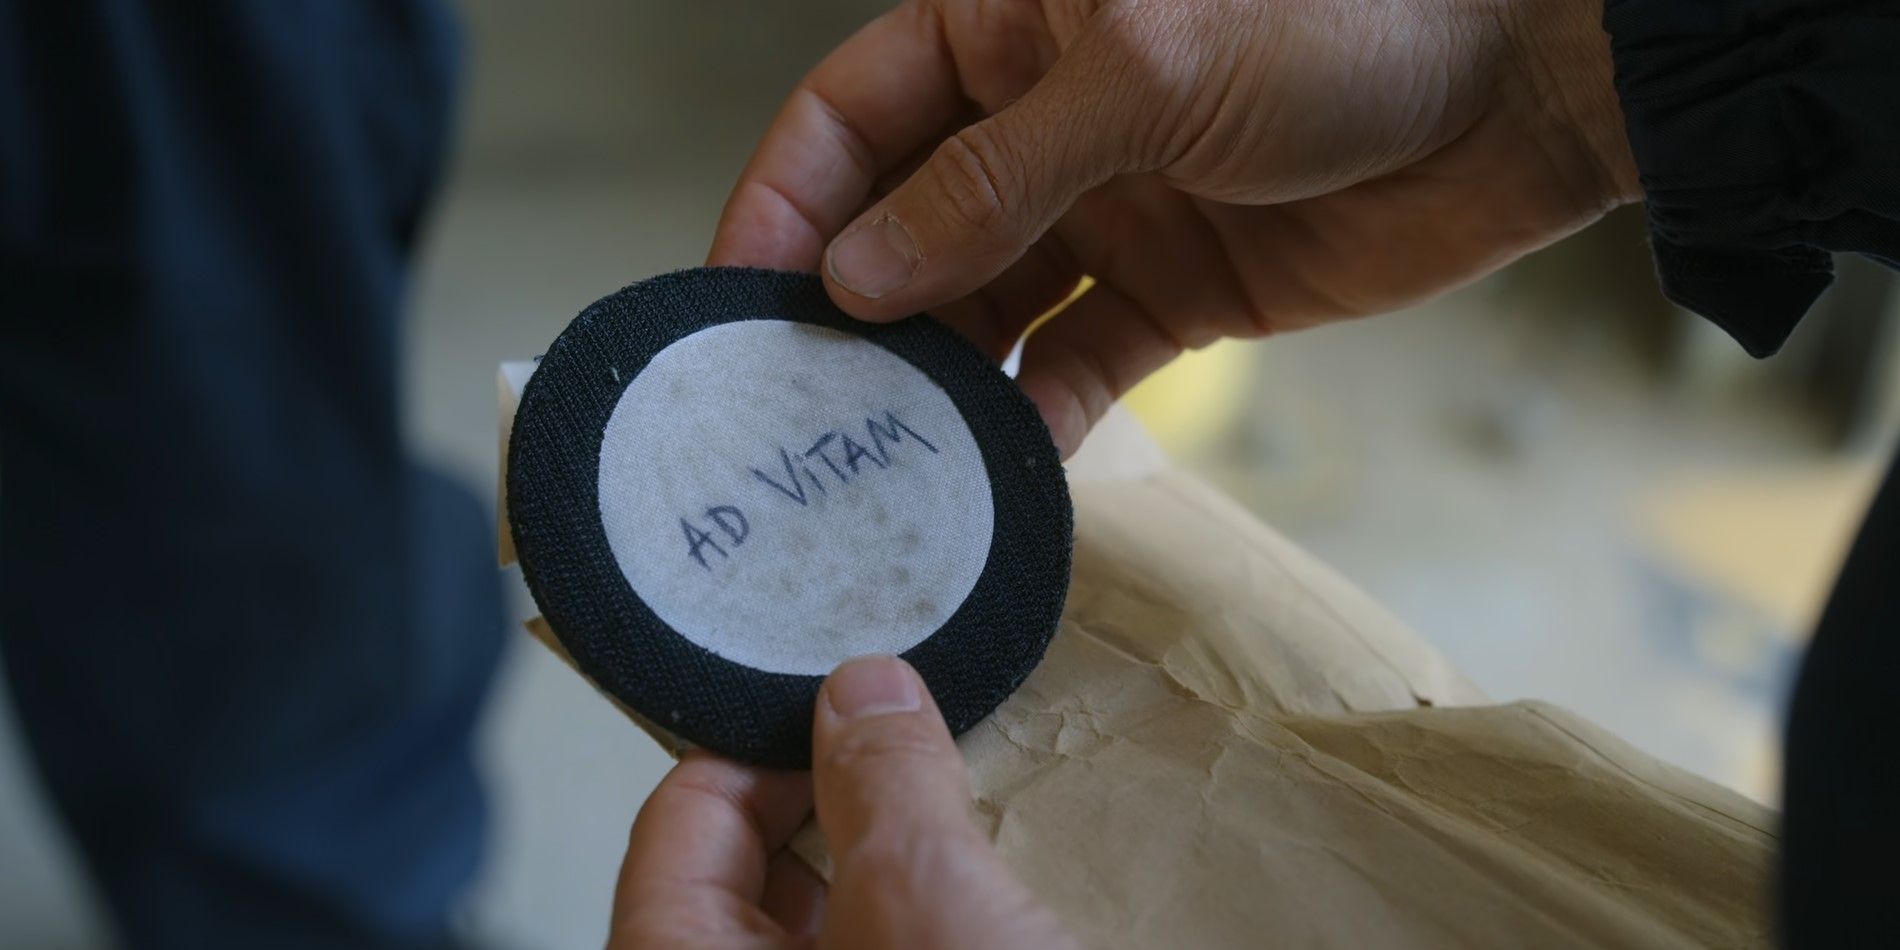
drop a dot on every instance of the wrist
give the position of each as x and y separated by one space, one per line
1568 79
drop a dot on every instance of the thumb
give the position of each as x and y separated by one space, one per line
981 199
883 763
910 868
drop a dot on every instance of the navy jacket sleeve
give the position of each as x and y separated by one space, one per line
1767 134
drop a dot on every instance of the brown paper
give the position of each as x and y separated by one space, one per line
1230 746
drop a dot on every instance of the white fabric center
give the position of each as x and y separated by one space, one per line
790 496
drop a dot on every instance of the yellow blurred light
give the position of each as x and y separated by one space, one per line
1192 401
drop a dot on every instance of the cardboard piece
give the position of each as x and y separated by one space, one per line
1230 746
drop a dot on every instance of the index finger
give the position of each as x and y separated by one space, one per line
889 89
702 840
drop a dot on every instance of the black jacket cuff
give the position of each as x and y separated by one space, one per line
1767 136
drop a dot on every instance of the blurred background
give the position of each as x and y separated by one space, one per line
1575 491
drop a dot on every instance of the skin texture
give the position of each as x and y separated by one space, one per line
1219 168
706 867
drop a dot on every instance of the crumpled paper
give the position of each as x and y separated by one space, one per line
1228 745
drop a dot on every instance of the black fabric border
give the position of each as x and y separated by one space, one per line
971 664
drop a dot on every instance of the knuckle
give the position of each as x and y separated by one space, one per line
898 851
696 788
1096 387
1096 380
1255 323
977 175
691 788
917 864
882 743
1002 21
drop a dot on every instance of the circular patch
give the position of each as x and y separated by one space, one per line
852 518
721 487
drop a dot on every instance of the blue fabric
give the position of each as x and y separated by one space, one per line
248 637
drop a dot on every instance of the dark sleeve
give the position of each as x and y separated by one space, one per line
1767 134
1840 828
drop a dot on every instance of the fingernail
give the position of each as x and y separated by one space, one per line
875 259
872 686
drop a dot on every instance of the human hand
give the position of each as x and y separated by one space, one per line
706 866
1220 167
